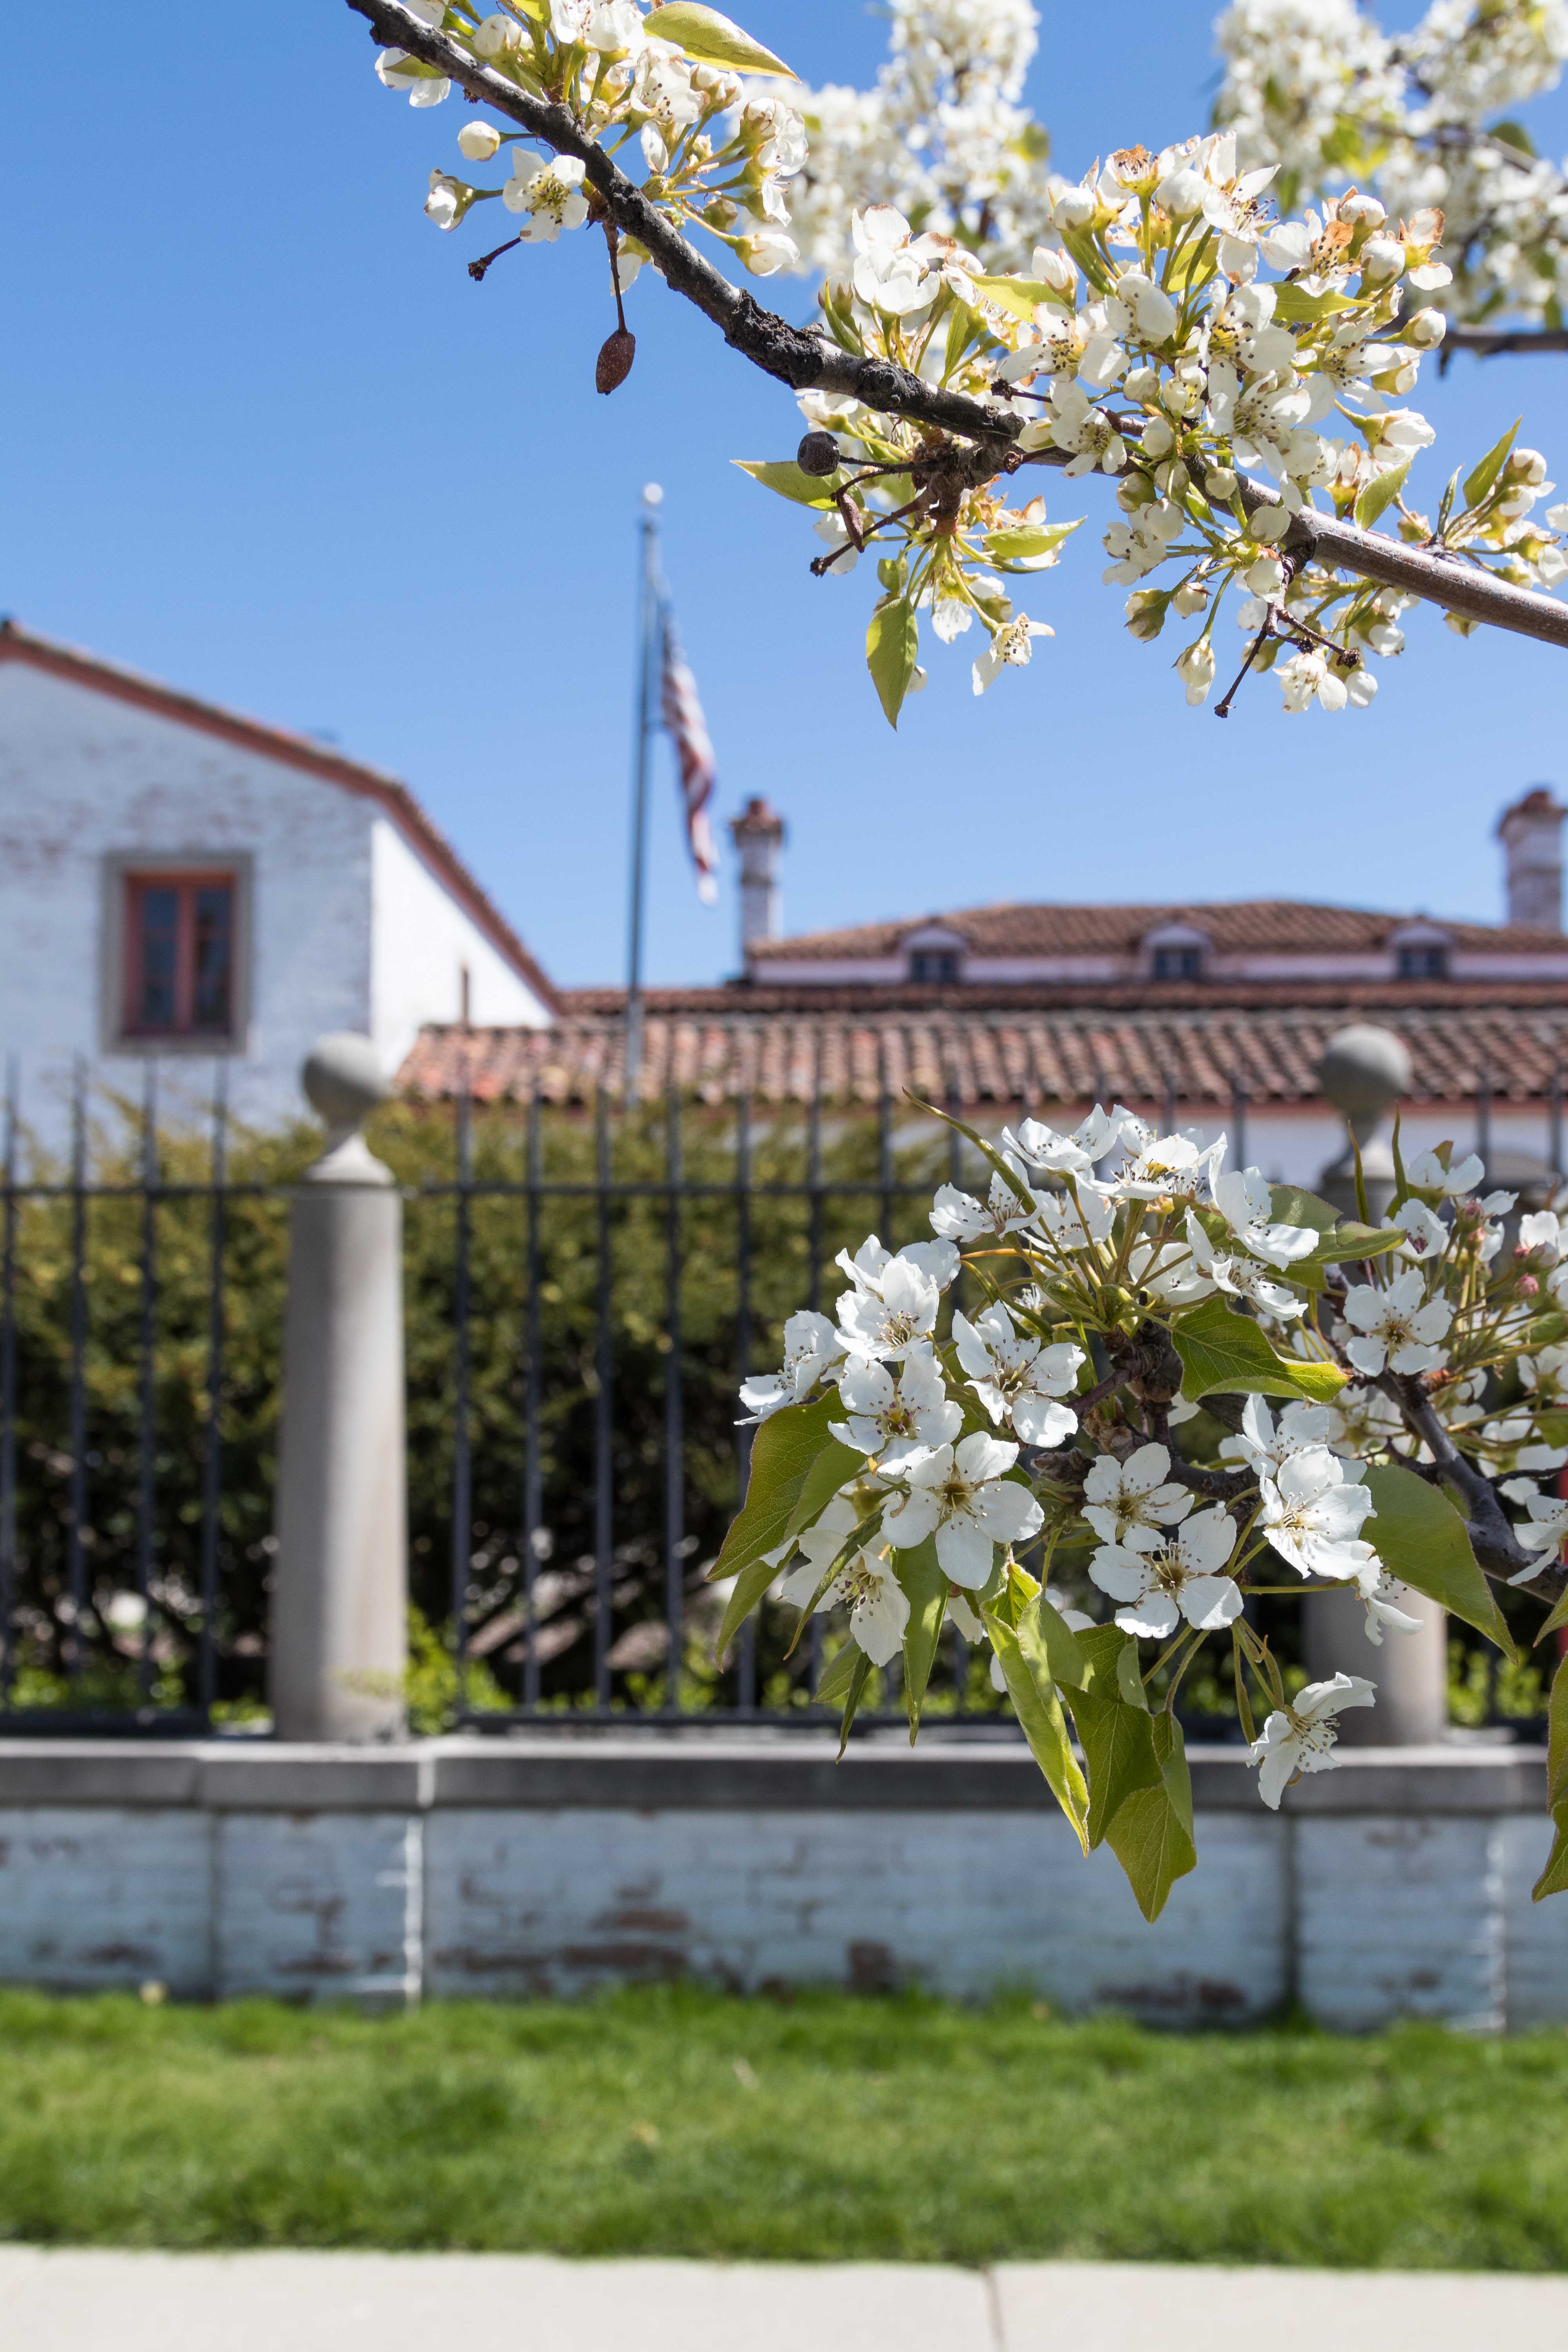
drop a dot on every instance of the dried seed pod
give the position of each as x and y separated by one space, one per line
614 363
817 454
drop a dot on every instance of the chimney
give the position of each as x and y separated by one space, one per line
1532 835
758 836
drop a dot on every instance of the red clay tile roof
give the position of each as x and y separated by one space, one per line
295 751
1280 926
1187 1045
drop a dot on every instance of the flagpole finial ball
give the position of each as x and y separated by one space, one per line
652 495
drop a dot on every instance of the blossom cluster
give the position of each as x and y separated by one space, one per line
1318 88
943 137
713 157
1177 334
1278 1380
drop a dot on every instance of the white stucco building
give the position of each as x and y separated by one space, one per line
182 884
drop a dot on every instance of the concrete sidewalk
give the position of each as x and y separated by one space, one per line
90 2300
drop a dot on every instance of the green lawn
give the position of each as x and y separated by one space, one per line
678 2122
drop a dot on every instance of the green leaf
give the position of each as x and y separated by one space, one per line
1559 1616
1150 1833
783 1453
1379 494
892 641
1024 546
1222 1352
1129 1680
1553 1879
1557 1736
857 1682
1479 482
1018 295
1289 1205
833 1468
1512 135
924 1584
713 40
1294 307
1352 1240
1420 1537
838 1674
1118 1750
1064 1655
1171 1747
785 477
1026 1669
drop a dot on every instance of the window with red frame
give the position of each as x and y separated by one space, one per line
179 955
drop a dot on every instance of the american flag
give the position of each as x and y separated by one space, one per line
693 749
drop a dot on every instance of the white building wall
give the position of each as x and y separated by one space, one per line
422 941
85 777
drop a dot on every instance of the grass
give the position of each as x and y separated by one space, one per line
679 2122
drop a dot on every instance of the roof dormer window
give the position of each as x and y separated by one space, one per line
1175 950
934 964
1178 963
1426 959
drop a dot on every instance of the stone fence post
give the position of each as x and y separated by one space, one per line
1363 1071
340 1599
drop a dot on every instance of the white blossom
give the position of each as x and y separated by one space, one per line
1313 1517
961 1496
1019 1378
894 1418
1243 1199
1180 1578
867 1586
811 1348
1400 1327
1130 1503
1300 1738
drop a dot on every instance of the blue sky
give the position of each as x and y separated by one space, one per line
267 441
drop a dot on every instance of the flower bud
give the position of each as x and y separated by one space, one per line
1270 524
1189 598
1075 208
1427 329
496 35
478 141
1267 576
1220 483
1181 195
817 454
1055 270
1528 1285
1362 212
1158 440
1146 610
1526 466
1195 669
1141 383
1381 257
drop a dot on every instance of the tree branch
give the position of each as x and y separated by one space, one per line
1492 1538
809 361
1486 341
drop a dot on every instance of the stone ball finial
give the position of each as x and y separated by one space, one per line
1363 1070
343 1079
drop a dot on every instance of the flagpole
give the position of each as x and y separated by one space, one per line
648 630
648 616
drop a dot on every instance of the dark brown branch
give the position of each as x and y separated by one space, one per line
1492 1538
808 359
1486 343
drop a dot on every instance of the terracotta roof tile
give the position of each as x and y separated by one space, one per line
716 1045
1278 925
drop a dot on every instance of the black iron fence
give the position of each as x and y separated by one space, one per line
584 1291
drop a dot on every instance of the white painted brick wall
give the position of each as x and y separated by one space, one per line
1401 1916
1395 1915
557 1902
92 1898
319 1905
1535 1934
